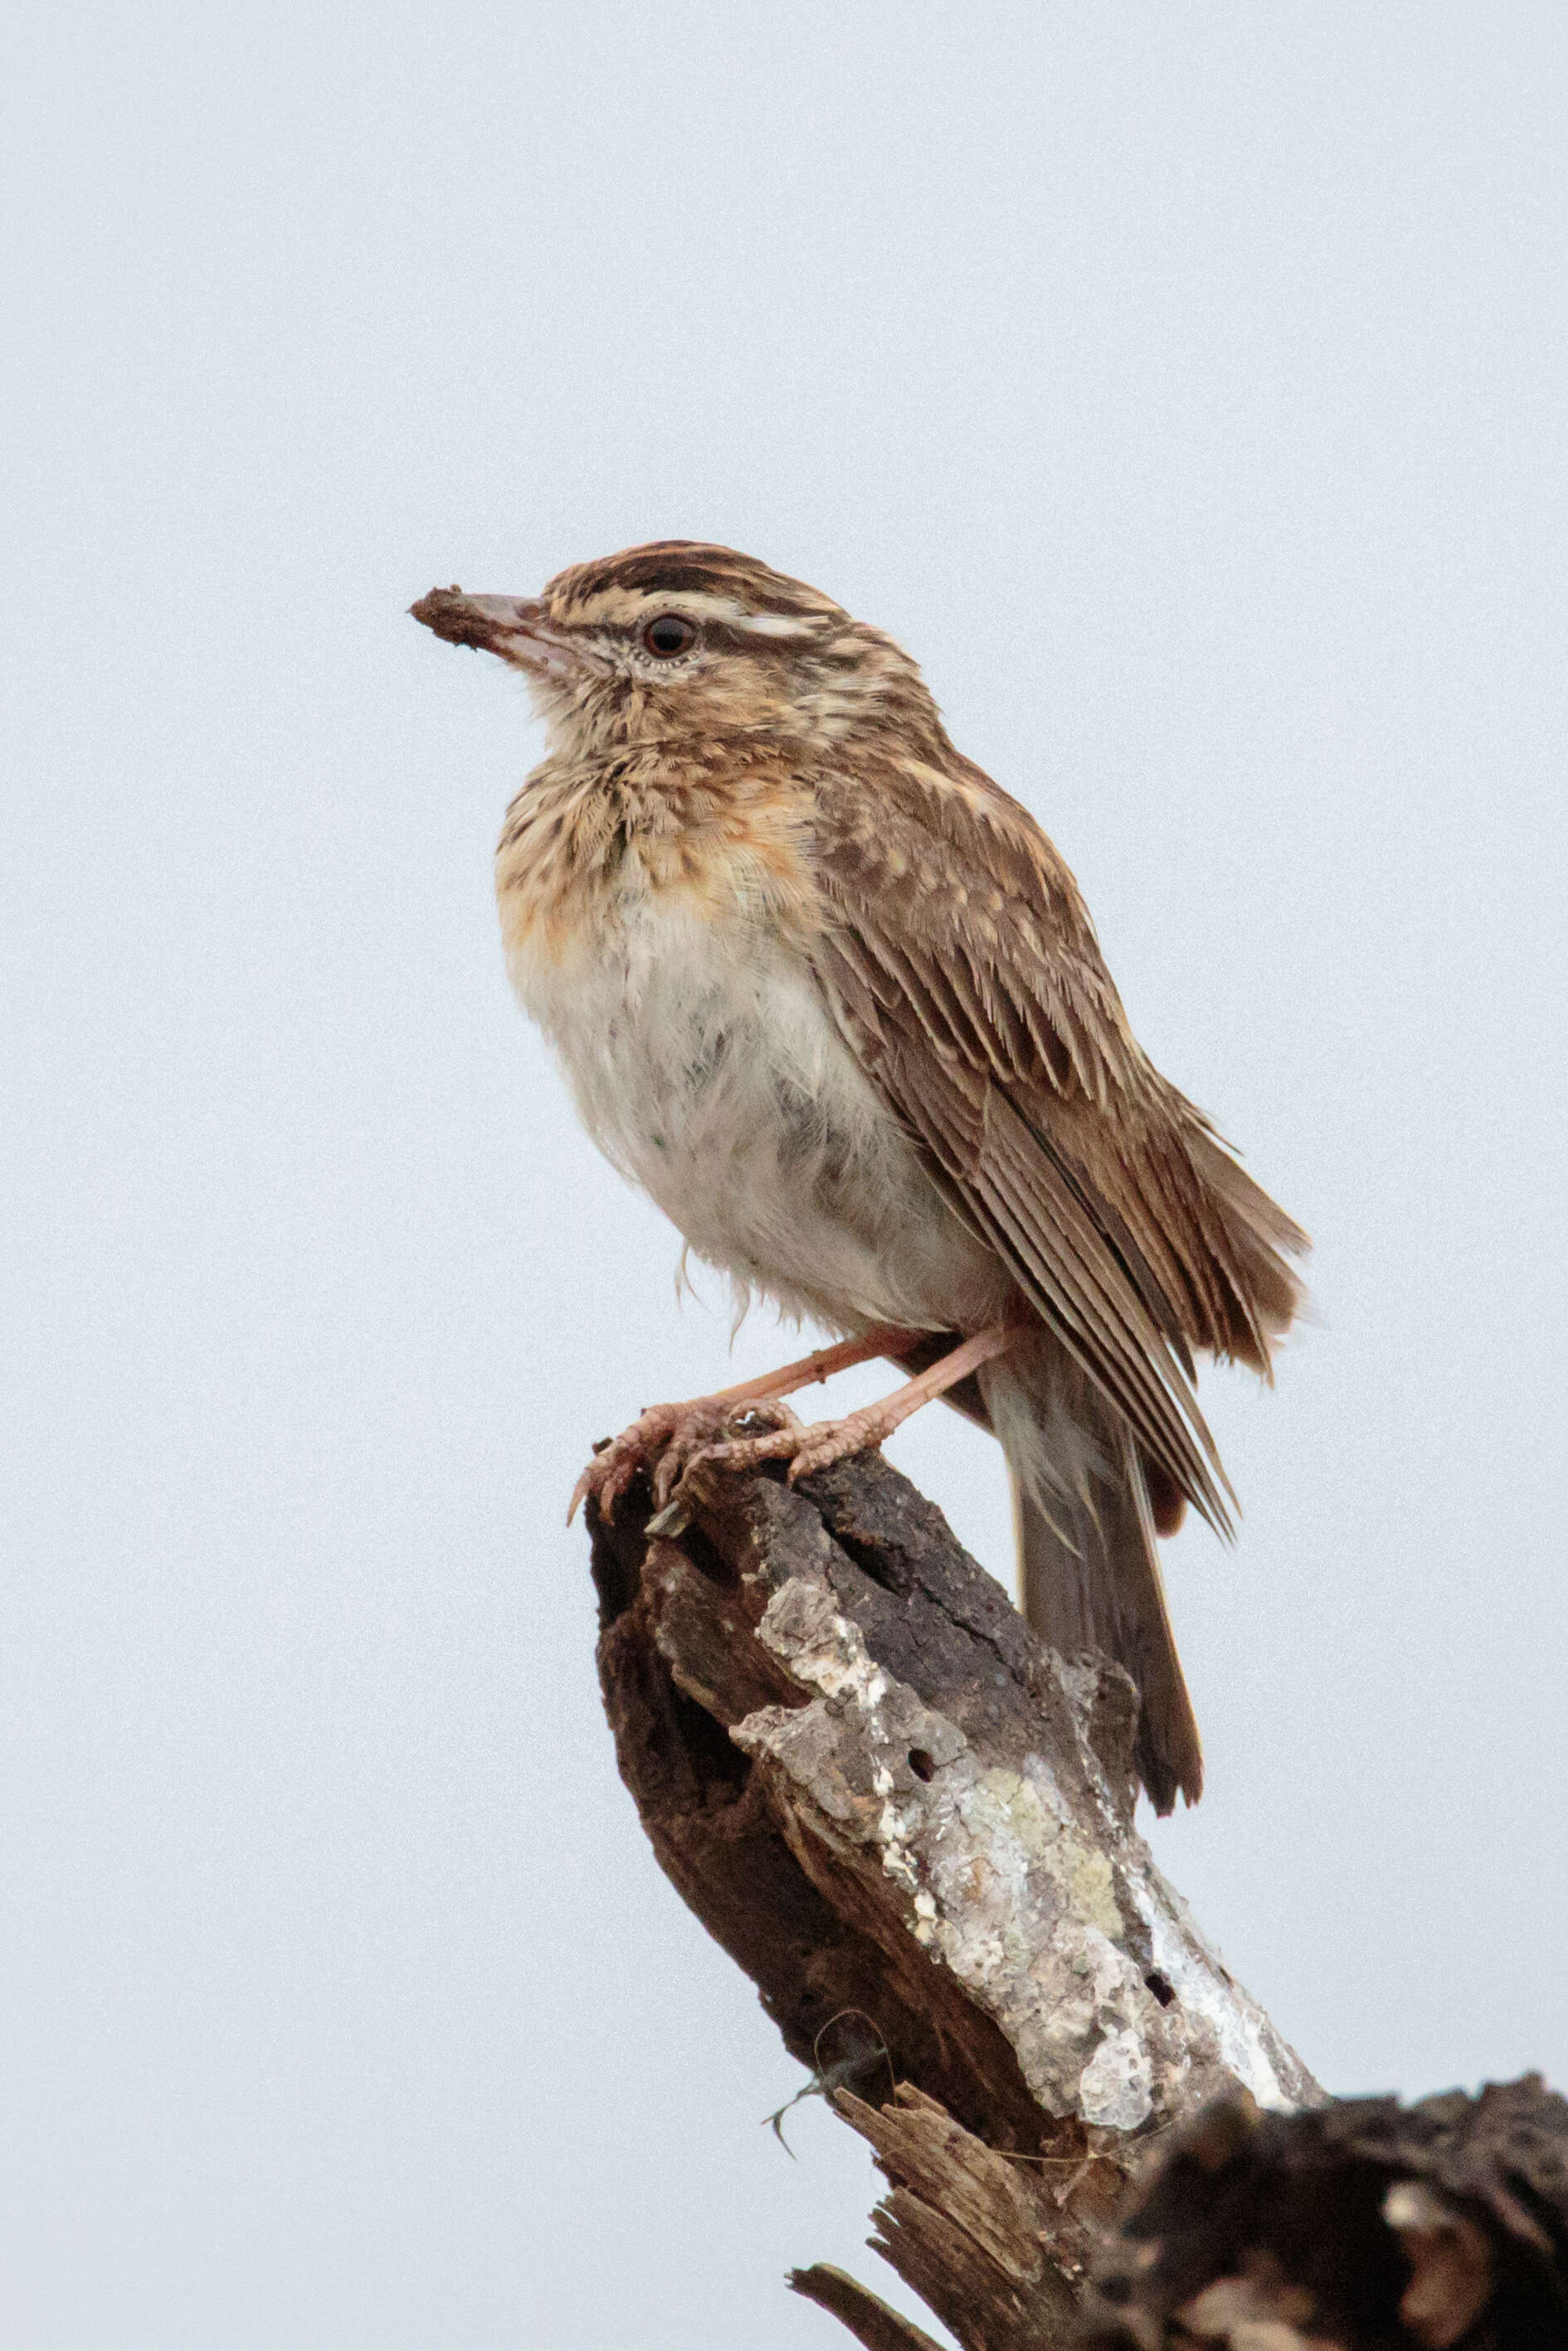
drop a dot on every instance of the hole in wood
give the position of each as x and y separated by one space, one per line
920 1764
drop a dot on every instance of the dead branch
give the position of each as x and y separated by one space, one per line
911 1824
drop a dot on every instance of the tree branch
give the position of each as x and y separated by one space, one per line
911 1824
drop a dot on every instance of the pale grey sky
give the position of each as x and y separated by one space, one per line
1185 385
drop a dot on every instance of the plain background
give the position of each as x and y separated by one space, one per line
1185 385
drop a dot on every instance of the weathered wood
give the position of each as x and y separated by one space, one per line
886 1799
1358 2226
869 2319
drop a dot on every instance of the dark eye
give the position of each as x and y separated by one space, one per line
668 635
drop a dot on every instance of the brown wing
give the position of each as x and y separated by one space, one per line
961 962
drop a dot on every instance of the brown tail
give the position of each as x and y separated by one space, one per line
1101 1589
1089 1568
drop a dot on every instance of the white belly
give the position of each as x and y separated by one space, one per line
707 1067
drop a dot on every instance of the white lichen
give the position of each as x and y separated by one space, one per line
1002 1882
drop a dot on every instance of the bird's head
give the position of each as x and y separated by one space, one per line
679 641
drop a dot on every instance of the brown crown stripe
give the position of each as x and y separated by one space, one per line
689 567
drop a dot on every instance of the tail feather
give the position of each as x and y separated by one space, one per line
1088 1567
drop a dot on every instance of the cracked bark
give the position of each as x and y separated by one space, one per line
911 1825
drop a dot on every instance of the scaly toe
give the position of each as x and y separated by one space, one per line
780 1433
834 1440
805 1448
697 1428
613 1466
664 1442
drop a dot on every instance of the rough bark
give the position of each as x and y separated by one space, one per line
911 1825
1358 2226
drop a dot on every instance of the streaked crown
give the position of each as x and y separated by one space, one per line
732 586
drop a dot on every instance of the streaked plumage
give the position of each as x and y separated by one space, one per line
832 998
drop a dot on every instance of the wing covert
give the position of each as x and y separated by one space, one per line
961 963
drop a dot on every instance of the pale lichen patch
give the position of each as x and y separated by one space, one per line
1051 1916
1115 2088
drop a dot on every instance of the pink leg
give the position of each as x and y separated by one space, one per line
828 1441
808 1370
663 1438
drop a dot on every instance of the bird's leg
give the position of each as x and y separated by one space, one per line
662 1439
827 1441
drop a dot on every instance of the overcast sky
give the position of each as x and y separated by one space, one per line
1184 385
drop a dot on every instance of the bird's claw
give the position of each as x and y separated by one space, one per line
665 1442
805 1448
617 1462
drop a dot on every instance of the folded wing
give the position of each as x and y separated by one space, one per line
960 961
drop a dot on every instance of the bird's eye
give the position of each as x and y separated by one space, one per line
668 635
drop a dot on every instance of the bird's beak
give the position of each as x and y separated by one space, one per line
513 626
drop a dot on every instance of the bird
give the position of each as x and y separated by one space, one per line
831 997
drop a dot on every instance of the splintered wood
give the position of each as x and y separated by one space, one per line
888 1801
911 1825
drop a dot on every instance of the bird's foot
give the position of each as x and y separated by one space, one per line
805 1448
665 1440
743 1426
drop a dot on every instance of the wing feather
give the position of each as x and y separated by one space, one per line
961 960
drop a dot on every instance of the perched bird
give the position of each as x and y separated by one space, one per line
833 1000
